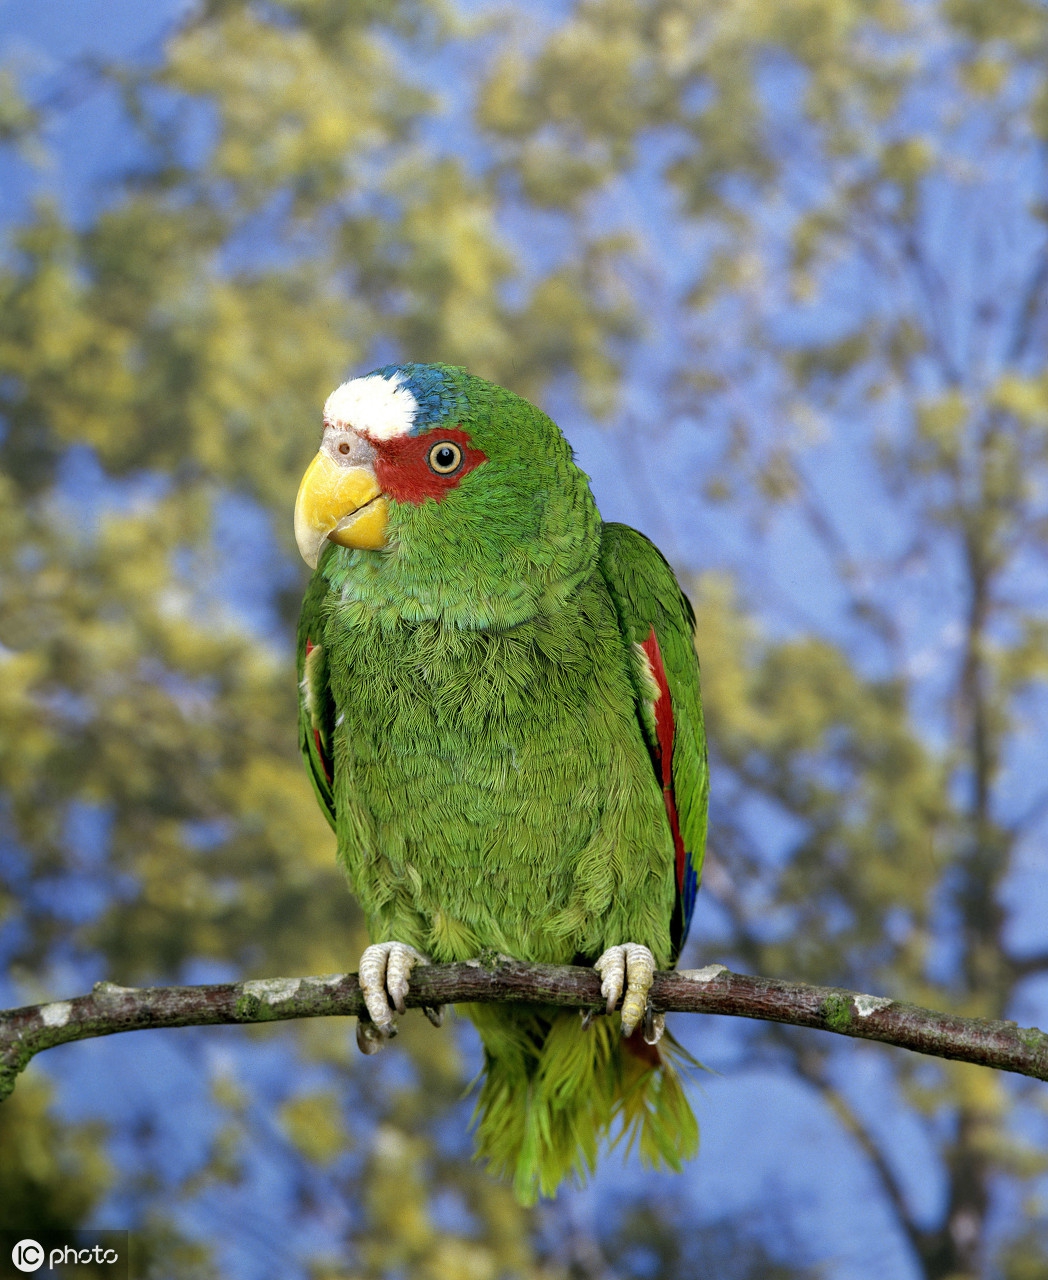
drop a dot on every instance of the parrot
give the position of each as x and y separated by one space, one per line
500 714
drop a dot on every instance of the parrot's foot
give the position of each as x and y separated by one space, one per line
383 975
633 966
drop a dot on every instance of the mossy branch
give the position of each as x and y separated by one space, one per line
110 1009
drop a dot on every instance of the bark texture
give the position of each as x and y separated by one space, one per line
109 1009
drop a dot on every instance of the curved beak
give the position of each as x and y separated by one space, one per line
340 504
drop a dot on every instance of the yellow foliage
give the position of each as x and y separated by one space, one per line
51 1175
1027 398
313 1122
941 420
985 76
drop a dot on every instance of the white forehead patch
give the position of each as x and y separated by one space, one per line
382 407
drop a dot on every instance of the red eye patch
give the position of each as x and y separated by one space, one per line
403 470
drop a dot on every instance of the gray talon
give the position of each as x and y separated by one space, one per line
370 1037
657 1030
654 1025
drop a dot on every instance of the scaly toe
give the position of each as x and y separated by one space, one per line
612 969
385 967
402 959
635 964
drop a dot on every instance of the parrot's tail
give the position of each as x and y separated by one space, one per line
553 1090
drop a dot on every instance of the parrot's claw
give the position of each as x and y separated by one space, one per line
633 966
435 1013
371 1038
654 1025
383 976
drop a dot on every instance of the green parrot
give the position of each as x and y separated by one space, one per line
500 715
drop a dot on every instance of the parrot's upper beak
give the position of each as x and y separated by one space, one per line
343 504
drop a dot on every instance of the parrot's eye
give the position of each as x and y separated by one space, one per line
343 447
444 458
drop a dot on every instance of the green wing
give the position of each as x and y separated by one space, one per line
316 708
657 619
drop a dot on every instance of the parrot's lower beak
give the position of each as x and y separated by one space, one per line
340 504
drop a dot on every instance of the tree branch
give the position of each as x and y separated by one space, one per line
110 1009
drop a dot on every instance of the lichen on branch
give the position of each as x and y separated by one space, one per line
109 1009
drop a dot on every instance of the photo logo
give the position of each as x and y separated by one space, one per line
102 1252
27 1255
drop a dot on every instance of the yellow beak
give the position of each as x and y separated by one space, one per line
343 504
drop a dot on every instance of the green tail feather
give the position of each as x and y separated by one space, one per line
552 1091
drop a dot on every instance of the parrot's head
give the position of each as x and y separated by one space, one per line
447 494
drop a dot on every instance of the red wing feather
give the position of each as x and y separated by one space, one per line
325 763
664 748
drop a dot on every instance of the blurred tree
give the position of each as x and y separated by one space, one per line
844 276
49 1176
660 1242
